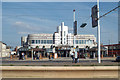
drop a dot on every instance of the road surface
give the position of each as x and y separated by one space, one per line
59 63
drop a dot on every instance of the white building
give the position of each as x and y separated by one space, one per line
4 51
60 38
40 40
23 40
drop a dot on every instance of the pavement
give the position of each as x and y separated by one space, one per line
106 61
60 58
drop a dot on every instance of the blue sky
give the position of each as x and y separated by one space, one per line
23 18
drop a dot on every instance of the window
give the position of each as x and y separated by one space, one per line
85 41
44 41
64 33
79 41
61 33
33 41
47 41
41 41
76 42
51 41
82 42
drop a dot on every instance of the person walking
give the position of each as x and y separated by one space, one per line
77 56
22 55
37 56
72 56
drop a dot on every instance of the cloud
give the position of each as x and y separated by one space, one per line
23 28
24 25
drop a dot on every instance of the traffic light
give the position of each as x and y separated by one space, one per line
83 25
75 28
94 16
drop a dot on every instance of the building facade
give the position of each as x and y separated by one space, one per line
4 50
62 40
113 49
40 40
62 37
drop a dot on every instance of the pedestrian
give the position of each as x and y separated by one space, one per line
37 56
72 56
77 56
34 55
23 56
49 55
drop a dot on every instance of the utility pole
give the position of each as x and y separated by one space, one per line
98 28
96 22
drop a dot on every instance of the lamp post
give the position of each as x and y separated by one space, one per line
75 33
74 30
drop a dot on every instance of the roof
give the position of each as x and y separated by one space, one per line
96 49
112 45
3 43
23 49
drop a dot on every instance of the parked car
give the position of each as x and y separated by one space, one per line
118 59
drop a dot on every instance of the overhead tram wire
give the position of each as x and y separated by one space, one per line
109 11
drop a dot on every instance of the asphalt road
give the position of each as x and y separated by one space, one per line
59 63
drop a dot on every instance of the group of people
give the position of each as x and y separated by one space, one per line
36 55
75 57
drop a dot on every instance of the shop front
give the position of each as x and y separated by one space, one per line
63 51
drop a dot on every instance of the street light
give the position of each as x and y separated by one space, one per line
83 25
75 33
